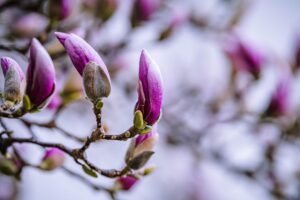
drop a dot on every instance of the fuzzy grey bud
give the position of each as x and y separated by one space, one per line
95 81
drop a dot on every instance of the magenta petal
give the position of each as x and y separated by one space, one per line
66 8
280 99
243 56
40 75
80 52
152 89
146 8
61 36
142 138
127 182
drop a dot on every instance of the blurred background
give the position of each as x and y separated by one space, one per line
230 124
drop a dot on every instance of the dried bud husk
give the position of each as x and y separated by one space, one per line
14 83
95 81
12 86
140 160
140 150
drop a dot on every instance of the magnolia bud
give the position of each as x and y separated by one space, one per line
125 182
150 89
279 103
40 76
243 56
30 25
52 159
60 9
143 10
95 81
14 81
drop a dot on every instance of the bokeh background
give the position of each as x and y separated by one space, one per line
218 140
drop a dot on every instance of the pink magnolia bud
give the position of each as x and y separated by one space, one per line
244 57
126 182
14 80
40 75
279 103
88 63
30 25
60 9
150 89
143 10
52 159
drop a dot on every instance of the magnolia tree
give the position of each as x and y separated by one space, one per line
40 86
49 39
31 93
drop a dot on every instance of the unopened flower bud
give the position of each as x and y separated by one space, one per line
244 57
84 56
60 9
30 25
143 10
40 76
125 182
52 159
14 81
279 103
150 89
95 81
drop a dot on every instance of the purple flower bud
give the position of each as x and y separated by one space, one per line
30 25
40 75
279 103
126 182
52 159
60 9
143 10
243 56
88 63
14 80
150 89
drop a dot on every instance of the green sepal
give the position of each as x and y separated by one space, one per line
27 103
147 129
89 171
138 120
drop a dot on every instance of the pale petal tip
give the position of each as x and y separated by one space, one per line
61 36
